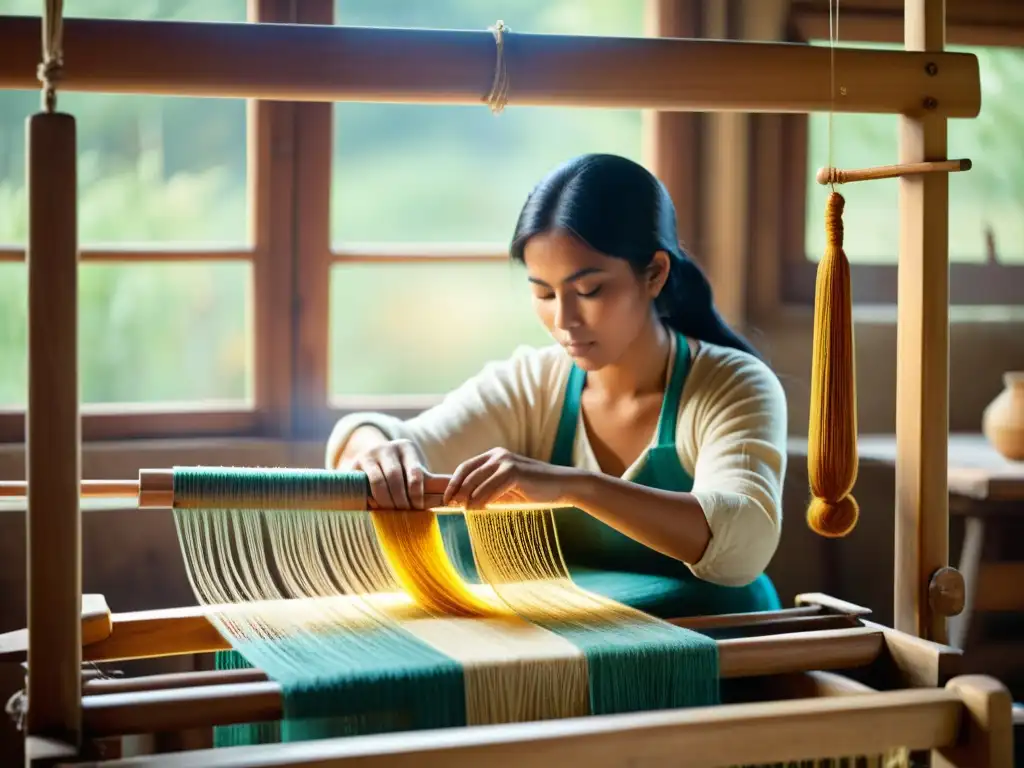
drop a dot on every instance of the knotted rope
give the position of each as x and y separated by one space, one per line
51 70
497 97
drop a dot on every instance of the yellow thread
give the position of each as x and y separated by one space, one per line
832 435
414 549
832 428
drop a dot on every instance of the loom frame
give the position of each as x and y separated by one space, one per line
924 84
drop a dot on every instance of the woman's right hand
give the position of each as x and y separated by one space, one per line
394 468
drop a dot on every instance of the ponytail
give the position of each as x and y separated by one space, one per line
687 305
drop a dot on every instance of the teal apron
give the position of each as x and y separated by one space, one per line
610 563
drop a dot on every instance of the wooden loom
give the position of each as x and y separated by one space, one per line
914 701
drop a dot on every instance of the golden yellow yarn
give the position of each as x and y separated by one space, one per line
414 548
832 433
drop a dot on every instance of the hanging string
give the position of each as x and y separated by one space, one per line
497 98
833 33
51 70
832 432
833 37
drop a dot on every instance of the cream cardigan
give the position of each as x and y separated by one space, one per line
731 438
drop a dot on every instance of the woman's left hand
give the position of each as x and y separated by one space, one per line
502 476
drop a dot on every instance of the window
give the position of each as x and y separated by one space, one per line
249 268
164 228
986 204
424 199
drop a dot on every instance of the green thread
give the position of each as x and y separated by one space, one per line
374 681
268 488
384 679
632 666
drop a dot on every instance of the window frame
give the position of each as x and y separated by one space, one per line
268 125
291 264
880 21
671 149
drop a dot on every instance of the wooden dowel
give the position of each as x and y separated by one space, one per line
147 711
728 620
335 63
155 490
89 489
53 432
827 176
737 734
187 630
831 604
799 652
110 686
744 657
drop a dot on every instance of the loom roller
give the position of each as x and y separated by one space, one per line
411 543
155 489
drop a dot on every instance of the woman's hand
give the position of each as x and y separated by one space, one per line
501 476
395 471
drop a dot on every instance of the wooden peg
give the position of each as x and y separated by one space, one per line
827 176
946 592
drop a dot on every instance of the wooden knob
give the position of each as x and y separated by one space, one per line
946 592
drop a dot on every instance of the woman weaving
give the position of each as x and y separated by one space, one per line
659 425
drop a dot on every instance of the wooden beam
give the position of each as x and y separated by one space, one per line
53 433
744 657
116 421
334 63
672 140
726 182
959 13
730 164
769 170
188 630
922 367
132 256
909 661
314 148
272 215
737 734
987 733
255 701
888 28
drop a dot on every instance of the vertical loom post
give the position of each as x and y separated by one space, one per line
922 369
52 436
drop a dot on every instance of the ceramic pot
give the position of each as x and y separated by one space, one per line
1003 419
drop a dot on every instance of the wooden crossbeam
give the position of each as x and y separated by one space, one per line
304 62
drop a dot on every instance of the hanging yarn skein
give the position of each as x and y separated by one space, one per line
832 434
832 437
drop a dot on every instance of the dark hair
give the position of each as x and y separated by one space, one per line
619 208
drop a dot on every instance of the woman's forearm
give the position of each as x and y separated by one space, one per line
671 523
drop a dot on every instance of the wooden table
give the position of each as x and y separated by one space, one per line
987 492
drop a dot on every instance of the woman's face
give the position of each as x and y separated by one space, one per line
594 305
